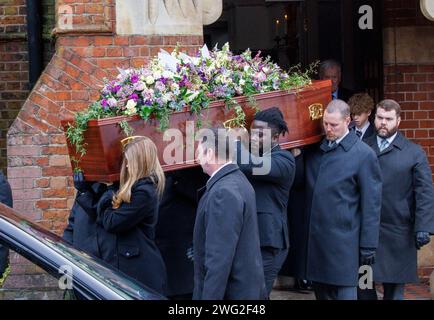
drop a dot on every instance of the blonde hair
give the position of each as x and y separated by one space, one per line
140 160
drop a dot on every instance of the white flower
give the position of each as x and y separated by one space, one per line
168 74
131 107
174 86
246 68
192 96
166 97
242 82
157 75
149 80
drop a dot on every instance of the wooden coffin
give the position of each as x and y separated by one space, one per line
302 110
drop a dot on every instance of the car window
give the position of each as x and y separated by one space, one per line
24 280
115 280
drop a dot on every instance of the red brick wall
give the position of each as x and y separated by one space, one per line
13 67
411 84
409 79
39 169
413 87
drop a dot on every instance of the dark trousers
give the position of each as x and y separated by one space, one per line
331 292
272 260
392 291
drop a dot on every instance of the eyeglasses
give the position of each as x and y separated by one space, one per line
128 140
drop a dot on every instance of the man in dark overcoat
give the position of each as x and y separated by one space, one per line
407 213
343 202
227 256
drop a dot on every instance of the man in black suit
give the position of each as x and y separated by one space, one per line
407 211
332 70
227 256
5 198
271 188
361 106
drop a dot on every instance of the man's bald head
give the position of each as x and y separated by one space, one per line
336 119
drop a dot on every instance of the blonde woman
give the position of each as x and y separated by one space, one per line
126 219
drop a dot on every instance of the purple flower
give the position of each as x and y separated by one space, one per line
116 88
184 82
134 96
134 78
104 104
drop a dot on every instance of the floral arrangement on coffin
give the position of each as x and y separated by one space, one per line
174 81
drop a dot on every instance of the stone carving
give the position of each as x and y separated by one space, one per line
166 17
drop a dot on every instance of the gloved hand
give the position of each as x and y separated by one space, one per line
79 183
190 253
422 238
367 256
104 202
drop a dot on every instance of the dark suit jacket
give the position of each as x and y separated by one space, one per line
5 198
407 207
272 193
343 203
126 235
227 256
368 133
174 230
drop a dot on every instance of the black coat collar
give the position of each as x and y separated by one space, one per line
223 172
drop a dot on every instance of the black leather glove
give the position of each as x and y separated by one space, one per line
80 184
422 238
367 256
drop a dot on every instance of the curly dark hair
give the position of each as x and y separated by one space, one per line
360 103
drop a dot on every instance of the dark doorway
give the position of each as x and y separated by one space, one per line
273 27
307 31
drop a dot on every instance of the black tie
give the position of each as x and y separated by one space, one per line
359 133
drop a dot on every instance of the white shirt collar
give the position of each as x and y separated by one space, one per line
342 138
214 173
365 127
389 140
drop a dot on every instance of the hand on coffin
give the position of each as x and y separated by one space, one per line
79 183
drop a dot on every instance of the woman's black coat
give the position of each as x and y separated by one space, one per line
125 236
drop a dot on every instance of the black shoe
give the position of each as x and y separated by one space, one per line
303 284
